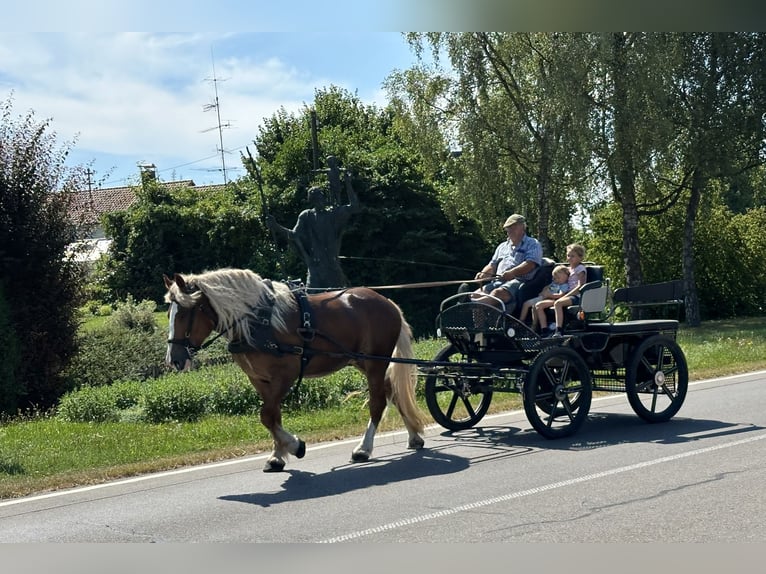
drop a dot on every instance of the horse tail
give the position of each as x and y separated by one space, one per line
403 377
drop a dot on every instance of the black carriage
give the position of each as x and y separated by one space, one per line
489 351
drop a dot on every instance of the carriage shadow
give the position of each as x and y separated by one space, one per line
302 485
608 429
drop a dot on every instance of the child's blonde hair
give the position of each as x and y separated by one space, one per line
560 269
576 248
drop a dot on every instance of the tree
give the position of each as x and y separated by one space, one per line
515 106
40 283
633 132
720 97
648 122
181 229
401 235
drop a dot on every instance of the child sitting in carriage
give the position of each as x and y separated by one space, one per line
557 288
577 277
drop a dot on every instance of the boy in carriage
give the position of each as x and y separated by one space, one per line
557 288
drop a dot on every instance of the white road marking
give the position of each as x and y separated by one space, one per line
536 490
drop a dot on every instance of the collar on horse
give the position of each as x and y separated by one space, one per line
262 333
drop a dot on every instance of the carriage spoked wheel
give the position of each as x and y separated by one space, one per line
455 401
656 379
557 392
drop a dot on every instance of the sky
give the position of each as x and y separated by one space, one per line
125 99
130 98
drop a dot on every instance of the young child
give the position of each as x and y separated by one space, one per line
577 273
557 288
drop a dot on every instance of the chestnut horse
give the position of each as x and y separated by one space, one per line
277 338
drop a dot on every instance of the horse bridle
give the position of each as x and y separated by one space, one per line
186 341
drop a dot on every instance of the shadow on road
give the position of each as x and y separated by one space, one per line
483 444
607 429
301 485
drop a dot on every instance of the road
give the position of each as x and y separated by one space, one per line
697 478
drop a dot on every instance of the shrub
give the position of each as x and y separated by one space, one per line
174 399
232 395
111 354
323 393
104 310
90 307
40 281
127 394
134 316
88 404
11 355
100 404
188 396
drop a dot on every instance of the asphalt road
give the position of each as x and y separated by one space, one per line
697 478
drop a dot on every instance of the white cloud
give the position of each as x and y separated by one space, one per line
140 97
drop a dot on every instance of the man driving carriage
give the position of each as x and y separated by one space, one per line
514 264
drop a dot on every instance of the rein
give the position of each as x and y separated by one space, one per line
307 330
431 284
409 285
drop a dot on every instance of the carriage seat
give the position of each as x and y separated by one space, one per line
648 295
651 295
593 299
593 295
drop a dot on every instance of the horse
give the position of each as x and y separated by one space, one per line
273 338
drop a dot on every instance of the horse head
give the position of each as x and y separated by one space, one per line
190 320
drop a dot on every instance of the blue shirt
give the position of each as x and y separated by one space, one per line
507 256
558 287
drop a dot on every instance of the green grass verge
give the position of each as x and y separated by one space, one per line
46 453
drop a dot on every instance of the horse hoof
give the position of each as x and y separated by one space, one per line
301 452
274 466
416 443
360 456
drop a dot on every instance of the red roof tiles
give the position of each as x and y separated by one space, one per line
88 206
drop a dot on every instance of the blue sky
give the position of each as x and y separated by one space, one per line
131 98
138 97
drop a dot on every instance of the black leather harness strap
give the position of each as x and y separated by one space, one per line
262 334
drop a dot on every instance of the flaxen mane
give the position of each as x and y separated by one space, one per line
236 295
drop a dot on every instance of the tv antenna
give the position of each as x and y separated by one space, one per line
216 105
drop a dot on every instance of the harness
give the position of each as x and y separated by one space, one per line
262 334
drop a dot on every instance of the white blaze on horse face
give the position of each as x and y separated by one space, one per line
171 331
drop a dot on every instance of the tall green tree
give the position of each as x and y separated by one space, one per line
516 106
633 72
401 235
39 281
720 98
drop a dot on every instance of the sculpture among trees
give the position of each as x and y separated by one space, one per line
318 231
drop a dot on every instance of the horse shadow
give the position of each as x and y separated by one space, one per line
438 458
302 485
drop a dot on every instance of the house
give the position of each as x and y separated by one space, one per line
88 206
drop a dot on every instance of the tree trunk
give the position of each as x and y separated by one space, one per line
624 164
691 301
543 197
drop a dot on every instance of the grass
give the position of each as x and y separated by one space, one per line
43 453
726 347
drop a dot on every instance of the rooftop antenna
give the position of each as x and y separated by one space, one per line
217 107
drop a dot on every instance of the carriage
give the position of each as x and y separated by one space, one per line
490 351
278 335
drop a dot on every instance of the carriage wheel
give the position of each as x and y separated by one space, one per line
557 392
657 379
455 401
